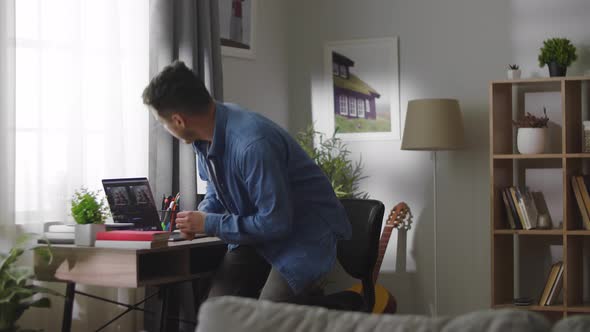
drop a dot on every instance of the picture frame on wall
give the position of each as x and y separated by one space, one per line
361 89
237 22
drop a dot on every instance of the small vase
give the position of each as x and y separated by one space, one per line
531 140
556 70
544 222
513 74
86 234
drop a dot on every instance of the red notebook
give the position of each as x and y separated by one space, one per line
133 236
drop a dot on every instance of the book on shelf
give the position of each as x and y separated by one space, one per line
582 198
518 207
509 215
550 283
130 244
529 204
517 223
556 287
128 235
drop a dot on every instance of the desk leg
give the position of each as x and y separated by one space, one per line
66 323
163 315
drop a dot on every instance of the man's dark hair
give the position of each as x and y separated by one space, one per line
177 88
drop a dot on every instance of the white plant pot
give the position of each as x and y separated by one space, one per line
513 74
86 234
531 140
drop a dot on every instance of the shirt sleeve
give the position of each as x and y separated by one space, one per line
264 170
210 203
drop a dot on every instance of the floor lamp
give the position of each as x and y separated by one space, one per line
433 125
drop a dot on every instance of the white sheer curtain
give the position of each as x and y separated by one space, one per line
81 66
6 123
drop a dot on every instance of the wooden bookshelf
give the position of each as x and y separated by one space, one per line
507 168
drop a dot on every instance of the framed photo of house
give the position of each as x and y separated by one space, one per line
237 20
362 88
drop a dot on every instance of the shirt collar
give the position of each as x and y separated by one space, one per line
217 146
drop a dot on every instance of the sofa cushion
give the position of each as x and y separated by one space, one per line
500 320
240 314
573 324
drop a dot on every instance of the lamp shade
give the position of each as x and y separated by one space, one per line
433 124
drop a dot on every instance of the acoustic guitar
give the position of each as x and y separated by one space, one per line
399 216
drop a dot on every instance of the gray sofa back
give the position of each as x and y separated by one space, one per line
240 314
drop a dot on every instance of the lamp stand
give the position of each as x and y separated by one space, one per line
435 311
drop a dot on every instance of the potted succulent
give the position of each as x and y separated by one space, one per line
532 133
557 54
89 212
513 72
17 291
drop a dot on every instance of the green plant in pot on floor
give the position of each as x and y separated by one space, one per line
557 54
17 291
90 212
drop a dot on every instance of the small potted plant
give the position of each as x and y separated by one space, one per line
532 133
17 291
557 54
89 212
513 72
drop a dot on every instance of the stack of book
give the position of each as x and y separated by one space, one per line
553 285
580 185
56 232
522 208
132 239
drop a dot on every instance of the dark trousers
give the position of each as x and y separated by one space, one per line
243 272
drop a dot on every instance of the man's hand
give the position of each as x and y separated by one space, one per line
191 222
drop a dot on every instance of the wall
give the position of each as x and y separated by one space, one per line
452 49
260 84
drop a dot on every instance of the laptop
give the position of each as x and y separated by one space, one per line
132 203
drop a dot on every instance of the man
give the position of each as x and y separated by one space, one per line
265 197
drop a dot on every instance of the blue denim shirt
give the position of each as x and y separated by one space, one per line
263 190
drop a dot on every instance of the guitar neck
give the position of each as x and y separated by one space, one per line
383 242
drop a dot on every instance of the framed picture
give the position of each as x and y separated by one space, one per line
362 89
237 20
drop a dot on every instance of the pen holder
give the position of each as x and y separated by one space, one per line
167 219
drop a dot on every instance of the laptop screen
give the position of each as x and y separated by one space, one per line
131 201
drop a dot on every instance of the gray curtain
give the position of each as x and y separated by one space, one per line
186 30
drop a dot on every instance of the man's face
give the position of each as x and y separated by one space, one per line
176 124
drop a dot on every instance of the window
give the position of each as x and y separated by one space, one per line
352 106
343 71
367 106
361 108
335 68
343 103
81 66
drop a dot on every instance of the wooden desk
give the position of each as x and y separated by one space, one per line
129 268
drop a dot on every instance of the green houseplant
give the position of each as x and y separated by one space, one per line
17 292
557 54
90 212
332 155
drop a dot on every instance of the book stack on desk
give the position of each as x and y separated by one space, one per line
56 232
132 239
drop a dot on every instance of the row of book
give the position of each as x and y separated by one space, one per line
580 185
132 239
553 285
523 207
